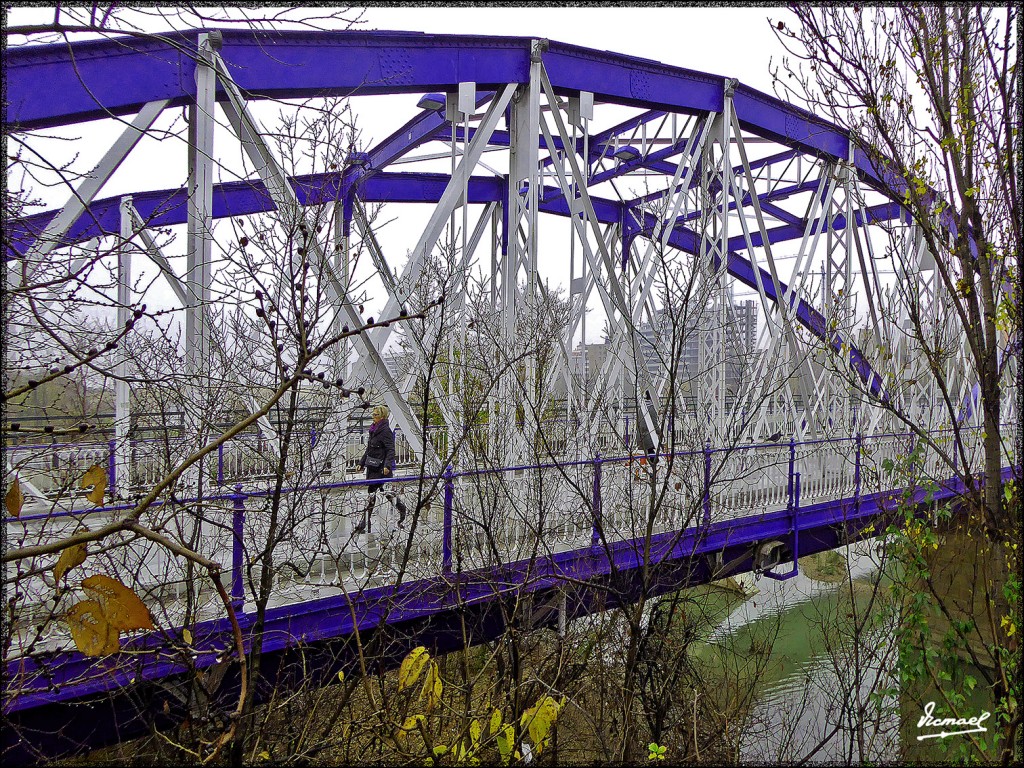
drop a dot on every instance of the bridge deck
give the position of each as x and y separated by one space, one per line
550 533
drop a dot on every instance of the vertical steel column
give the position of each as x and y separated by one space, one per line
523 197
122 392
719 286
848 288
856 474
200 209
789 484
523 179
199 243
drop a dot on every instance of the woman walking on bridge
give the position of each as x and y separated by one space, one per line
379 462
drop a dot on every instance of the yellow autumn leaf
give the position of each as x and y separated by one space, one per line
92 633
186 635
68 559
341 676
124 609
97 478
495 722
475 730
412 666
411 724
14 501
433 687
538 719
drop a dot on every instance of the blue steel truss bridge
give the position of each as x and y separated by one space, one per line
638 327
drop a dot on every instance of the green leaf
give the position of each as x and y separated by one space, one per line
506 740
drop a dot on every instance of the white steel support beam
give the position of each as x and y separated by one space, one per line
122 392
276 181
152 249
458 302
91 184
287 203
419 350
200 207
450 199
154 252
612 294
784 306
524 184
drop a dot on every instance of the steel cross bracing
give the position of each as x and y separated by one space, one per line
656 174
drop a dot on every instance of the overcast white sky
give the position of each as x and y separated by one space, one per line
734 42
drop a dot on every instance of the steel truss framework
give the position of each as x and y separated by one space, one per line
657 177
751 193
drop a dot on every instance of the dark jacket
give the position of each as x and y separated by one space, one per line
380 444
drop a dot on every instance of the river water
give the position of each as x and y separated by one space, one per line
827 690
822 695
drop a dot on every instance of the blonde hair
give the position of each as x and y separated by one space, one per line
381 412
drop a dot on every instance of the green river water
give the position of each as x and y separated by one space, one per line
821 695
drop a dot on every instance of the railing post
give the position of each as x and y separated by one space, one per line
237 545
707 484
595 532
446 544
792 464
856 474
112 468
220 464
796 527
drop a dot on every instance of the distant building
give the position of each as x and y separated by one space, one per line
656 340
655 345
586 362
